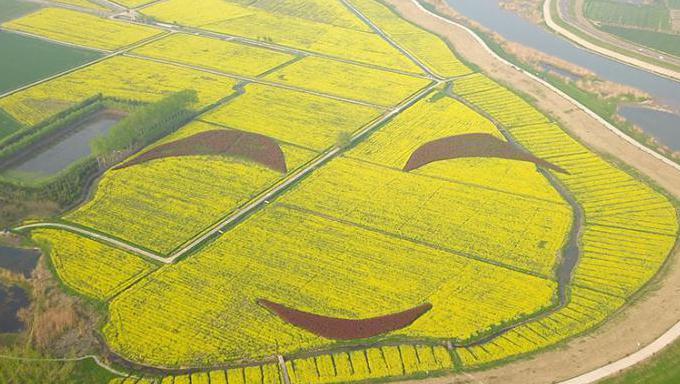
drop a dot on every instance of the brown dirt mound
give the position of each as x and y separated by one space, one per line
345 329
472 145
260 149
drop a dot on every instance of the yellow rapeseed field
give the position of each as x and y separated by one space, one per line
349 81
292 116
81 28
89 267
438 116
427 47
220 55
512 230
119 77
258 24
322 11
315 264
161 204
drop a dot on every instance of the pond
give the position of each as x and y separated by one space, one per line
515 28
12 299
65 151
19 260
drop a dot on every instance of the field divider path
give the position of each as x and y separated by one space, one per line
389 40
284 184
256 80
97 236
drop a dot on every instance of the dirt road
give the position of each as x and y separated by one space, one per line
638 324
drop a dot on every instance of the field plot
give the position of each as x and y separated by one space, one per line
81 29
349 81
119 77
34 59
309 255
163 203
215 54
281 29
505 106
510 230
648 16
428 48
89 267
370 364
322 11
666 42
84 4
292 116
439 116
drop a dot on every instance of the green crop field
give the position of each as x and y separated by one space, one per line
661 369
653 17
33 59
664 42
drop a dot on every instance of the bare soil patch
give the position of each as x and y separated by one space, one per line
472 145
345 329
257 148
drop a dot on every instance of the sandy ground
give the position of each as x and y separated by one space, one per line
638 324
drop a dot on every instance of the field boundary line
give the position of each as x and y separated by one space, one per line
97 236
577 104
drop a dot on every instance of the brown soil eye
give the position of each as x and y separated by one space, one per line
257 148
472 145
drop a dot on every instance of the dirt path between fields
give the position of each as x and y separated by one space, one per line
635 326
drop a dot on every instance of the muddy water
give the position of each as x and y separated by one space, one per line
515 28
65 151
19 260
12 299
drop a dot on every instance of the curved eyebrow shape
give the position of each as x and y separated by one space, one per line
472 145
345 329
257 148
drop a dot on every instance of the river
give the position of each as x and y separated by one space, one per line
515 28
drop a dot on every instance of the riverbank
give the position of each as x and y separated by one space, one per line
641 322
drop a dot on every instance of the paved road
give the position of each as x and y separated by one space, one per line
549 20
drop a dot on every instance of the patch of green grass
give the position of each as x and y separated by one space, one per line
674 4
34 59
662 369
8 124
11 9
664 42
653 16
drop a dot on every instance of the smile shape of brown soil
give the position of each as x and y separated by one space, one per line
257 148
472 145
345 329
